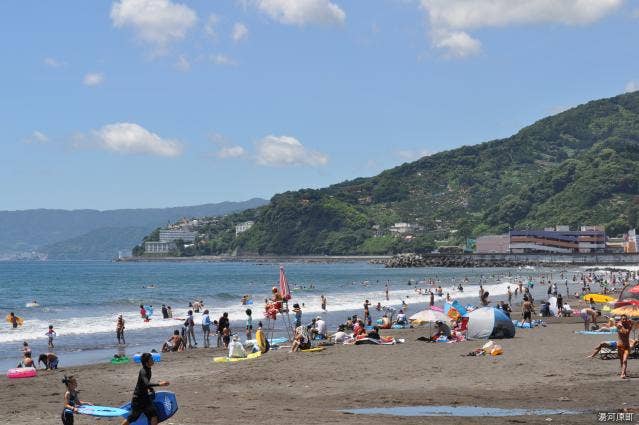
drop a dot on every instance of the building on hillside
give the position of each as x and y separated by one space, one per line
493 244
159 247
630 242
403 228
243 227
616 245
177 234
558 241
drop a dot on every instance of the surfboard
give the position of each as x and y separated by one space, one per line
18 319
237 359
598 298
275 341
102 411
313 350
165 404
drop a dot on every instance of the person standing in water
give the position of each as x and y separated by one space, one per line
14 320
323 301
51 334
71 400
142 401
119 330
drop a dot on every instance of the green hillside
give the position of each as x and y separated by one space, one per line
578 167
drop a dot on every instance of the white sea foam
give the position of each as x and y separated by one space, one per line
34 329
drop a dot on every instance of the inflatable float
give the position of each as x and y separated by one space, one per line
165 404
120 360
156 357
22 372
237 359
18 319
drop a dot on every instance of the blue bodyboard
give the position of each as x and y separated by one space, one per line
102 411
156 357
165 403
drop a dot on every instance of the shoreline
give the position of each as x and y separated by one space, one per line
280 386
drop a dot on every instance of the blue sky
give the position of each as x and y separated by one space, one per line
154 103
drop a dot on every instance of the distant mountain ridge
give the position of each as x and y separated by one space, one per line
579 167
93 234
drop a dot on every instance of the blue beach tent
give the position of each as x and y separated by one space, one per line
489 322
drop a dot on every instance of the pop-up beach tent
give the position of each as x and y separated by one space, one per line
489 322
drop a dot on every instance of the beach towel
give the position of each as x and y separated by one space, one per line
386 341
596 332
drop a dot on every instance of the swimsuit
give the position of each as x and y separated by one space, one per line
67 415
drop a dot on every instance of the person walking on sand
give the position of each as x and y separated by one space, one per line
432 298
527 310
510 295
249 323
323 302
206 328
623 344
142 401
189 323
222 323
119 330
298 315
366 312
51 334
71 400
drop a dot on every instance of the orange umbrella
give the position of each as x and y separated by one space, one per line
631 311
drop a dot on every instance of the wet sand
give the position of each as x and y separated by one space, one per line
540 368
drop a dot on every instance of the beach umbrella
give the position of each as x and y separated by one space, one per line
428 316
489 322
284 288
630 310
634 290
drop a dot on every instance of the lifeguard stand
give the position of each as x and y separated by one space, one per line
283 311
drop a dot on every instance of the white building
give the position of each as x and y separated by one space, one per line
243 227
403 228
159 247
174 235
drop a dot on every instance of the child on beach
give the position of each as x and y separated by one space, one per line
249 323
71 400
298 315
142 401
226 337
51 334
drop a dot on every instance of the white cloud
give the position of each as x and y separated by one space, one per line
240 32
210 26
451 19
286 150
93 79
456 44
155 22
412 154
221 59
54 63
302 12
37 137
129 138
231 152
631 86
182 64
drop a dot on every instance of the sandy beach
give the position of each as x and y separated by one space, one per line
544 368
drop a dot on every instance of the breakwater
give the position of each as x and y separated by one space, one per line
506 260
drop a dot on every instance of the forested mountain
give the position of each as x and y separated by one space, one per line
93 234
579 167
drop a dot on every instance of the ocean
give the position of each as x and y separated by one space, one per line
83 299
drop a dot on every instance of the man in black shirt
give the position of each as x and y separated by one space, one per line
142 401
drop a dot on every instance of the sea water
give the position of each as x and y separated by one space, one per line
82 300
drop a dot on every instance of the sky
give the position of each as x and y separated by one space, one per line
158 103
